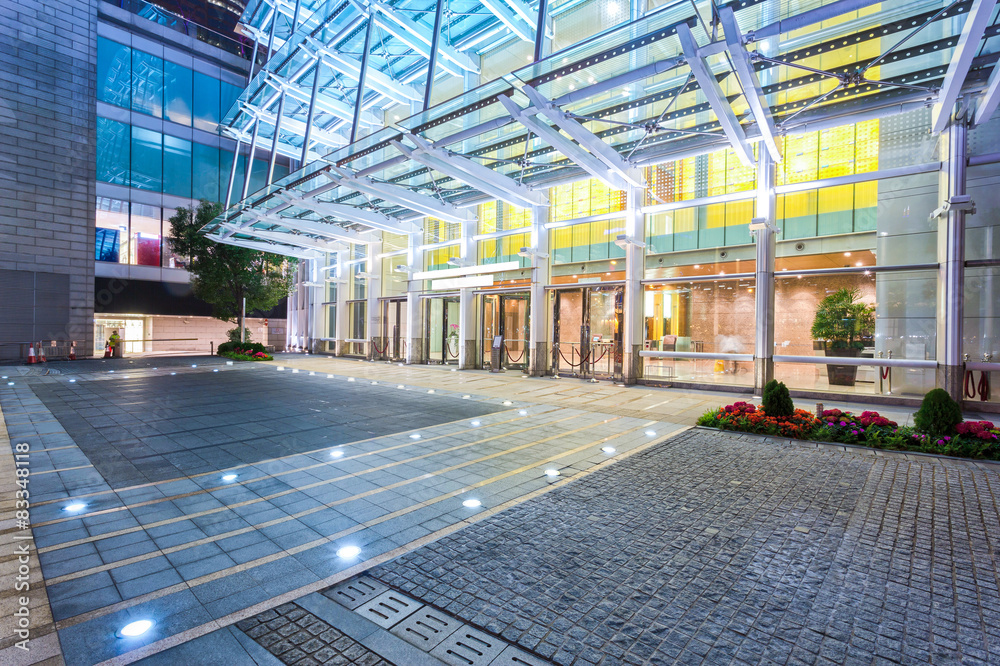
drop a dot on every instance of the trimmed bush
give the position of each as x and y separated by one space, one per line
234 335
225 347
938 414
776 399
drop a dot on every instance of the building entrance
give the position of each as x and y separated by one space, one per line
506 315
587 332
394 330
442 330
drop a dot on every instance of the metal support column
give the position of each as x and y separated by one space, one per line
538 307
249 165
270 36
374 312
361 79
414 306
543 9
432 64
274 140
309 116
343 288
632 329
469 254
295 16
253 61
232 173
765 232
951 258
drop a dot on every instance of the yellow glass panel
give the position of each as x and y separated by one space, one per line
739 212
836 199
866 195
715 216
836 152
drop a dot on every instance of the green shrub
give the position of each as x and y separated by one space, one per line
233 335
938 415
225 347
776 400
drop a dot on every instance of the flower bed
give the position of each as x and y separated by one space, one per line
239 354
972 439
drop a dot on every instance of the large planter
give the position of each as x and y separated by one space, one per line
842 375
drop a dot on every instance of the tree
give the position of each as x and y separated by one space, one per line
223 275
843 320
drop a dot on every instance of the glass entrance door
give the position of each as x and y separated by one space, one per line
569 333
394 328
442 330
506 315
587 332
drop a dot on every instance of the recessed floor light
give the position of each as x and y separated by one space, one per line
350 379
475 423
10 383
337 454
650 433
137 628
295 371
227 363
430 390
466 397
72 381
194 365
551 472
78 506
400 386
312 374
608 449
374 383
215 369
348 552
281 368
415 435
173 373
523 412
506 402
329 376
229 477
472 503
110 370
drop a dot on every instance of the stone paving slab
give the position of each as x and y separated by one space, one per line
718 548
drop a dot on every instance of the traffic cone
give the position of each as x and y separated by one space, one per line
107 351
72 351
31 354
41 354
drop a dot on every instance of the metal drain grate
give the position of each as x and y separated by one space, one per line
426 628
352 593
469 647
512 656
388 608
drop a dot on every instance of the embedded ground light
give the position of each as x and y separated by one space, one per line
415 435
77 506
229 477
650 433
337 453
523 412
475 423
551 472
608 449
349 552
472 503
137 628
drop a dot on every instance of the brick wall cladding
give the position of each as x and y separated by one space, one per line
48 54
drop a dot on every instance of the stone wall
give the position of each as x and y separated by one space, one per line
47 195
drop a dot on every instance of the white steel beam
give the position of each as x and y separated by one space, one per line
418 37
375 79
517 24
716 97
593 143
331 106
286 238
284 148
401 196
578 155
988 104
749 81
297 126
273 248
961 60
326 229
476 175
351 214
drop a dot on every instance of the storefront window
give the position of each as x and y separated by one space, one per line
145 234
111 240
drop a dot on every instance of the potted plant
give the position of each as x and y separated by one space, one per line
845 324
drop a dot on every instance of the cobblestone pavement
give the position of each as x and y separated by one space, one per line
722 548
298 637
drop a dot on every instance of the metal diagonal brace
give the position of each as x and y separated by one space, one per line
419 203
351 214
475 175
575 153
325 229
593 143
273 248
961 61
749 81
716 97
288 238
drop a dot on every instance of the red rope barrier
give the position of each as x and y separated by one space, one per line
603 354
506 350
884 372
378 351
572 365
448 347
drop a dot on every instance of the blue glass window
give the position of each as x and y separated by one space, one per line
112 152
206 103
176 166
177 84
147 83
206 173
114 73
147 159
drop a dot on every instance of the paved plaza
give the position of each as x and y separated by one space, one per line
218 500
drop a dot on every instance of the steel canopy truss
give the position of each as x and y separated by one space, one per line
274 248
961 61
641 94
475 175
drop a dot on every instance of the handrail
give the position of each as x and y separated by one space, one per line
650 353
852 360
981 366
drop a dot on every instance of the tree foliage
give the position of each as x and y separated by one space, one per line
223 275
